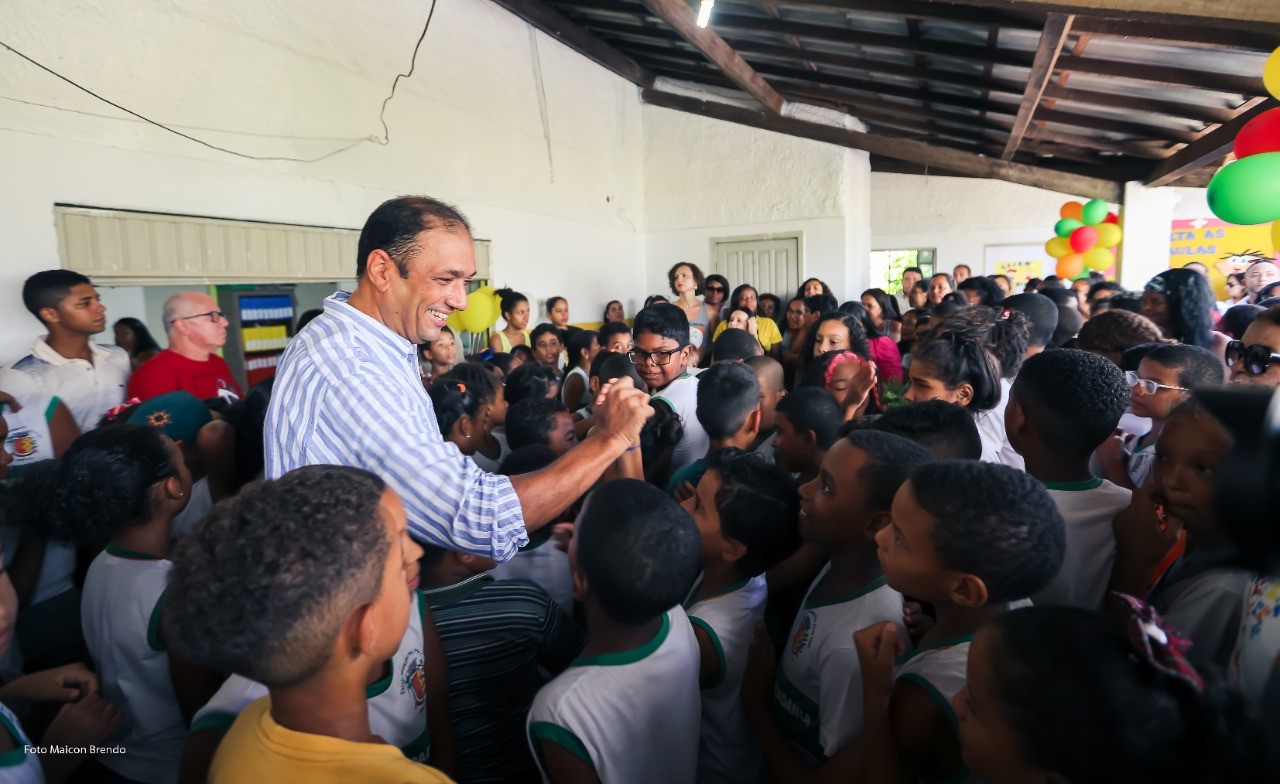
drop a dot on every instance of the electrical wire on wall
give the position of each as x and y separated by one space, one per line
384 139
542 98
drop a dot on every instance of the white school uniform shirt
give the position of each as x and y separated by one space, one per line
1256 659
730 753
88 389
397 703
586 383
818 692
1141 463
200 502
18 765
1087 508
633 716
1203 597
543 563
682 396
120 613
995 442
29 440
490 464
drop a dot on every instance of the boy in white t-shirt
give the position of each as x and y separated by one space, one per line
663 357
811 714
745 510
1064 404
627 710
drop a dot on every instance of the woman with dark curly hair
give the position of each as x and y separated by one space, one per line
1181 304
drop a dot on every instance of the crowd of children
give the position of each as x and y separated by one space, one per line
972 540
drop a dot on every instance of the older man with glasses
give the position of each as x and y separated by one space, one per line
196 329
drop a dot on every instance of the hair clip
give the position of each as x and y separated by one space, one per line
1159 645
1005 314
112 413
461 387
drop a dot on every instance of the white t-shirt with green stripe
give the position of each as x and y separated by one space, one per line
730 752
120 613
818 692
397 703
17 765
1088 509
543 563
634 715
941 669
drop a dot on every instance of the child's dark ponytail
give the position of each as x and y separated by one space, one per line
958 352
453 399
508 299
1095 699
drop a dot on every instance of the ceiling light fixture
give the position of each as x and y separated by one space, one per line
704 12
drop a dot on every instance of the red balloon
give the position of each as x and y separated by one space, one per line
1112 218
1084 238
1259 135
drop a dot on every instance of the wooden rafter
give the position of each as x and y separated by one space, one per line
1209 148
1241 14
916 9
682 18
556 25
1164 74
1052 38
919 152
1183 34
1191 111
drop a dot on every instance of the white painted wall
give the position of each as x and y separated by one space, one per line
707 179
301 78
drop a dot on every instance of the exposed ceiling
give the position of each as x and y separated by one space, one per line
1043 93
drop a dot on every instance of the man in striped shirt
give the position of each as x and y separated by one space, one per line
347 392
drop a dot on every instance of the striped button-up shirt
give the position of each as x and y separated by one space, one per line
347 392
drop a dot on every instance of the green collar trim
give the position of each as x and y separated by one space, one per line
948 643
730 589
372 690
812 604
627 657
120 552
1091 483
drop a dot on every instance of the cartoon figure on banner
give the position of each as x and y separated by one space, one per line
1237 263
1087 236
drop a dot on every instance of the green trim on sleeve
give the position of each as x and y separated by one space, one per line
372 690
876 584
715 641
1088 484
51 409
153 627
215 720
545 730
942 701
18 754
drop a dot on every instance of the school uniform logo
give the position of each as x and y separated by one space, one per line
21 443
804 633
413 677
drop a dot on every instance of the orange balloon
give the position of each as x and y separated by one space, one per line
1073 210
1070 265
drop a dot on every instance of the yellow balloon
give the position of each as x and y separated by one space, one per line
1271 75
1099 259
1275 235
480 313
1109 235
454 322
1058 247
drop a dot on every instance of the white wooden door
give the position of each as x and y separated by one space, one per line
771 265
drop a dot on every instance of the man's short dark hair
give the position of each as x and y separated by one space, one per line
531 421
813 410
995 522
945 429
1196 367
526 460
1074 398
529 380
48 288
757 504
610 329
727 394
821 303
891 460
545 329
639 551
1103 286
916 270
395 225
665 320
1043 314
262 585
735 345
1059 296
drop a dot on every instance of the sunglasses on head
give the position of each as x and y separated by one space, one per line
1256 358
717 289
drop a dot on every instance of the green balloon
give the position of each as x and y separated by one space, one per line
1094 212
1064 227
1247 192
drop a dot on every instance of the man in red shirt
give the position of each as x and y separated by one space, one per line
196 329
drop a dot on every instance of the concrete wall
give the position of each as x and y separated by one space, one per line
302 79
706 179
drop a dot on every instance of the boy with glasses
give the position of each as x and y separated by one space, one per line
661 355
196 329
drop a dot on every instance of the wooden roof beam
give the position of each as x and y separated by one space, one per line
1052 38
1208 149
1184 34
918 9
1164 74
556 25
902 149
682 18
1191 111
1238 14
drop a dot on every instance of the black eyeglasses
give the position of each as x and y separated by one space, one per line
639 357
214 315
1256 358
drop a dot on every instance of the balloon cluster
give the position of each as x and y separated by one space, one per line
1247 191
480 314
1086 237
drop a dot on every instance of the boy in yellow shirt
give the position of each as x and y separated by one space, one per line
301 584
